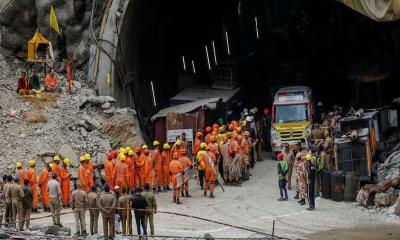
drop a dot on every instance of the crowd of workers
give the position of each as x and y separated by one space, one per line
31 85
309 158
221 153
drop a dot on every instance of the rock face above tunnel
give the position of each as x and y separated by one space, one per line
20 19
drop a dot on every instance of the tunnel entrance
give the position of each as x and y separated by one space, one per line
345 57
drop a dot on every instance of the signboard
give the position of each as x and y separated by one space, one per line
290 98
173 134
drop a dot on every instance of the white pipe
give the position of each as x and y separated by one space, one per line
215 53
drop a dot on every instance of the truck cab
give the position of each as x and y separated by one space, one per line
292 116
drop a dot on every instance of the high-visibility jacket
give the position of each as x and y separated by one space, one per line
121 175
44 178
207 138
131 172
89 168
185 161
21 176
201 158
65 185
83 178
157 161
196 146
148 169
109 171
165 159
31 175
139 169
175 167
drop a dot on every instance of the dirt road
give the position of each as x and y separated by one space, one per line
255 205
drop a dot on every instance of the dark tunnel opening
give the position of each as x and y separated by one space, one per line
322 44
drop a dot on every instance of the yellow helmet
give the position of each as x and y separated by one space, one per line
178 142
87 156
130 152
19 164
82 158
144 146
32 162
156 143
122 158
52 166
308 157
56 158
166 146
122 150
203 145
66 161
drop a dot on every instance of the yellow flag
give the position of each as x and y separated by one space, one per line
53 20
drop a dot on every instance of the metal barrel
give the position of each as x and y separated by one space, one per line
352 186
337 186
326 184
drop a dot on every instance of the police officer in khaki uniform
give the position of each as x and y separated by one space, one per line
94 212
79 203
54 190
124 201
107 205
8 200
16 194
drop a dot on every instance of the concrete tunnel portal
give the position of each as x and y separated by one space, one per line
345 57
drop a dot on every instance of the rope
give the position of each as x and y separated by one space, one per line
155 211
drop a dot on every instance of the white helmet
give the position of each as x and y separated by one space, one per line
248 119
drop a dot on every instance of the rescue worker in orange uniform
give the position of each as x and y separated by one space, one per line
21 173
208 135
186 166
57 167
65 176
211 168
197 142
89 168
139 167
176 173
166 159
83 174
121 173
157 160
31 176
109 170
148 165
44 178
177 148
131 170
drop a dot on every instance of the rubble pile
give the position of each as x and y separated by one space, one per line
71 125
391 167
382 197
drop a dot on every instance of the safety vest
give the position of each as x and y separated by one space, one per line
282 169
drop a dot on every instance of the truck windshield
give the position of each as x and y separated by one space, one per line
291 113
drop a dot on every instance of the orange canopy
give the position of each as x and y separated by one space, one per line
33 45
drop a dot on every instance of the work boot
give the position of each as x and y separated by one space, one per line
281 199
182 194
177 201
159 189
34 210
84 233
212 195
187 194
205 194
297 196
302 202
174 199
310 208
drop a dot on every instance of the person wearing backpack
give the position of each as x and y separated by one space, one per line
282 171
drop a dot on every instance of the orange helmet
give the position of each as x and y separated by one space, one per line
208 129
213 138
110 155
215 126
138 149
199 134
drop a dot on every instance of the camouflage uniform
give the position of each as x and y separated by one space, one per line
301 180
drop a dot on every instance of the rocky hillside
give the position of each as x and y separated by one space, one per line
67 124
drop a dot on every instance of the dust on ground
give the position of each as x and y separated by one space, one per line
364 232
